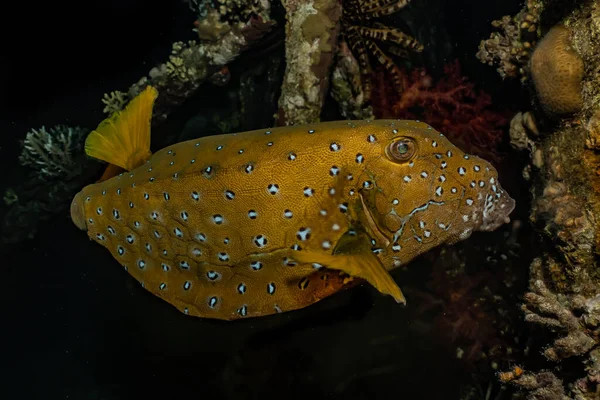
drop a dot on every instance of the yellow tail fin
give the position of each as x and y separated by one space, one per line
123 139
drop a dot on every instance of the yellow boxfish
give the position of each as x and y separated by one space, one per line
273 220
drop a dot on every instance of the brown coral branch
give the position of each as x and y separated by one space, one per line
311 37
545 308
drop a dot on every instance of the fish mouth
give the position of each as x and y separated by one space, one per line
78 212
496 210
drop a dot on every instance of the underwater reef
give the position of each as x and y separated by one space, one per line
553 48
518 332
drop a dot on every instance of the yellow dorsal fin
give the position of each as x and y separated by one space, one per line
123 139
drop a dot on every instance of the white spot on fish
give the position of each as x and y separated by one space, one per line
241 288
243 311
260 241
256 265
273 188
213 301
213 275
303 234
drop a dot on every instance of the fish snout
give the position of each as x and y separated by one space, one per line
496 210
78 212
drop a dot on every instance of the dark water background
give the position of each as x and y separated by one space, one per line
76 326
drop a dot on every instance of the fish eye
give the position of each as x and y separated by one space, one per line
401 150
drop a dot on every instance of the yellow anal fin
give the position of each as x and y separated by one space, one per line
123 139
367 267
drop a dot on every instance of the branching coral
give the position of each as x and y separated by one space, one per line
192 62
510 49
540 386
545 308
57 168
451 105
311 38
54 153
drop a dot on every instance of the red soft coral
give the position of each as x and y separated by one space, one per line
451 105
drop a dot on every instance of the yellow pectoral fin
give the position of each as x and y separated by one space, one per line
364 266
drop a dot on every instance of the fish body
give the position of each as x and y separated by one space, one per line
273 220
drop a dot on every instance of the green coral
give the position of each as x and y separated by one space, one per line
52 153
55 168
